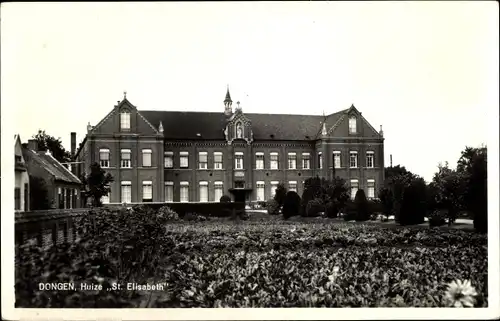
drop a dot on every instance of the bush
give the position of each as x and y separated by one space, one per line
272 207
437 218
225 199
332 210
262 204
349 216
291 204
413 207
280 194
315 207
361 203
168 213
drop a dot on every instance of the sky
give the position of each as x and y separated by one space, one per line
426 71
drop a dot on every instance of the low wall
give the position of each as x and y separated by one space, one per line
211 209
47 227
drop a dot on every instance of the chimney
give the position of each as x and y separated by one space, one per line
73 144
391 159
33 145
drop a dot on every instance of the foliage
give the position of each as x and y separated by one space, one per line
39 195
448 187
476 196
273 207
168 213
315 207
362 213
437 218
413 206
337 192
280 194
333 194
225 199
54 145
387 200
397 170
272 264
332 209
291 204
96 184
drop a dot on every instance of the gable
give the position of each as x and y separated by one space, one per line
110 124
363 127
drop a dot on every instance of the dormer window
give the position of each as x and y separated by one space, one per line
239 131
352 125
125 120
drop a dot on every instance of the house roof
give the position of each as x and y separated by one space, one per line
186 125
51 165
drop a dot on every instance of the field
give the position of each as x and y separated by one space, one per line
261 263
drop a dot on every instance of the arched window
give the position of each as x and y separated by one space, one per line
239 131
125 120
352 125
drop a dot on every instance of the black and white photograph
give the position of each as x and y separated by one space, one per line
250 160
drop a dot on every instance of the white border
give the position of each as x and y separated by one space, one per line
7 272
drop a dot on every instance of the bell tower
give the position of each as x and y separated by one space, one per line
228 109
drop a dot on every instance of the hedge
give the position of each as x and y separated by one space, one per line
215 209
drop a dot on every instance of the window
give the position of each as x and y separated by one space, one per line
75 197
60 200
274 186
261 194
336 159
17 198
169 160
184 192
105 199
274 164
259 160
292 161
354 187
292 186
306 161
17 159
126 192
147 191
369 159
104 158
184 159
217 160
353 159
238 160
126 158
371 188
70 204
146 157
202 160
218 191
203 191
169 191
26 197
125 120
320 160
352 125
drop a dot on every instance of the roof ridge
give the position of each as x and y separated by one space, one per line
67 170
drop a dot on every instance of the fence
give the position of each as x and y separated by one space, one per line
46 228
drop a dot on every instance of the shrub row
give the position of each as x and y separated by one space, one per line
206 209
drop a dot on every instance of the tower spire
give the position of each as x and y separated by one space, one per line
228 110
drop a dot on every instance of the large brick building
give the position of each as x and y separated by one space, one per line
165 156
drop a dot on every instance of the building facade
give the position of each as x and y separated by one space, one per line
172 156
63 187
22 180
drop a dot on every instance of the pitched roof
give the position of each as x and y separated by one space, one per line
187 124
52 166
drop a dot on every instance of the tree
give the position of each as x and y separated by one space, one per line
39 195
449 187
52 144
96 184
476 195
361 204
413 206
396 171
291 205
387 200
280 194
